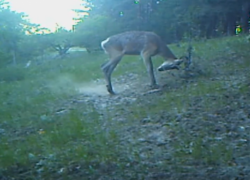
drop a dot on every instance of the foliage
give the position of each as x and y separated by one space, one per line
12 74
93 30
13 29
172 19
61 41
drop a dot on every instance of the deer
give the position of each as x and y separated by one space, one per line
144 43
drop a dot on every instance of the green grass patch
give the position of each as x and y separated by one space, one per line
71 138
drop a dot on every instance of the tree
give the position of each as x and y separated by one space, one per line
60 41
174 20
12 30
245 16
93 30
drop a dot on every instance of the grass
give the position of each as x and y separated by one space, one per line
39 140
180 102
32 131
57 142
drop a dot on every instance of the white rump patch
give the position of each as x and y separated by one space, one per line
103 43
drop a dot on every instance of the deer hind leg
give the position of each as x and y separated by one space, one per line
150 69
108 68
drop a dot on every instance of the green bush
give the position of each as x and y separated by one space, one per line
12 74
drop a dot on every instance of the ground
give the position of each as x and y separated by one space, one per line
68 127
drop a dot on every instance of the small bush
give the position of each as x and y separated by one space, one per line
12 74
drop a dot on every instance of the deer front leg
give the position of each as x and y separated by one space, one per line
107 74
150 69
108 68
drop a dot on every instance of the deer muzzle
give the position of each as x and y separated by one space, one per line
170 65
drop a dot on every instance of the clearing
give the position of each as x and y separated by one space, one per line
57 120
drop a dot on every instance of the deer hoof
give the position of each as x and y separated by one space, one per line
155 86
110 90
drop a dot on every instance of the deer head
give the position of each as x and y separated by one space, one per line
172 65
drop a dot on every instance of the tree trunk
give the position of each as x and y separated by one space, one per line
231 24
211 27
245 10
14 57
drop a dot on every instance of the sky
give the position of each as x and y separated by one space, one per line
48 12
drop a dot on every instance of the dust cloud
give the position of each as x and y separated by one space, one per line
67 84
92 88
